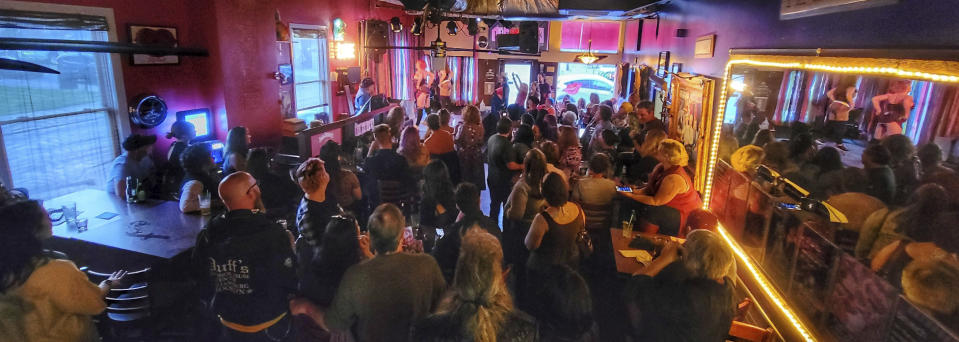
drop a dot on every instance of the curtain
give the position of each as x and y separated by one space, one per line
931 105
402 62
51 21
790 97
948 123
463 75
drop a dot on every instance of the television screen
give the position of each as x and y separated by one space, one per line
201 120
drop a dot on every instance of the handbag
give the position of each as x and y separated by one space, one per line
584 243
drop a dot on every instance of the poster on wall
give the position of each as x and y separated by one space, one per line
154 36
689 118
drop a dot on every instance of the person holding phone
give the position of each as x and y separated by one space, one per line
669 197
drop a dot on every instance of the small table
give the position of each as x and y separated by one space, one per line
154 227
630 265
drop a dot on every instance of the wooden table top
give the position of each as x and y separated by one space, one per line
154 227
630 265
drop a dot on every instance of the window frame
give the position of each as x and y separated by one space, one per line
323 75
115 107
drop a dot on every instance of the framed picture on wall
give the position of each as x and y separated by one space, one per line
705 46
155 36
663 66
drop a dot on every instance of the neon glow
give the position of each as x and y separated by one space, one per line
753 270
344 50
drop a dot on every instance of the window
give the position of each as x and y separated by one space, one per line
576 36
579 80
57 132
311 76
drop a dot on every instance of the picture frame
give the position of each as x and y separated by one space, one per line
663 65
153 35
705 46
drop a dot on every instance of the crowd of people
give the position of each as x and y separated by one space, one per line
352 266
898 203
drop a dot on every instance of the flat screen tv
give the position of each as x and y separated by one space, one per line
201 120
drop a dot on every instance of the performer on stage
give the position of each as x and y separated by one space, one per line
523 91
422 80
446 87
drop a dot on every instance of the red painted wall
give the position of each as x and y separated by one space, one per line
235 81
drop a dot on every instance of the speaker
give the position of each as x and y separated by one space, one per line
507 41
377 34
529 37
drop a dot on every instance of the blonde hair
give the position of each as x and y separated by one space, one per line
651 142
674 152
479 294
707 256
747 158
306 174
471 115
931 284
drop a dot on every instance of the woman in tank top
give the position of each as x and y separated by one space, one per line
670 196
552 235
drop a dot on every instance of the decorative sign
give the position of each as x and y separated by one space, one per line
792 9
361 128
705 46
156 36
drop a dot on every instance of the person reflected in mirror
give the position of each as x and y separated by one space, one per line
892 109
842 99
882 180
904 163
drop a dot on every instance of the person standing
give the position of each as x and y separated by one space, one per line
381 298
837 114
247 261
236 150
422 80
892 109
469 147
502 166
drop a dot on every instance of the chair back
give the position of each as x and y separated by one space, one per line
598 217
749 332
130 300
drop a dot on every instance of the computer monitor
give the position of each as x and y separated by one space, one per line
201 120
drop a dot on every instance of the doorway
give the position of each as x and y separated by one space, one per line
524 73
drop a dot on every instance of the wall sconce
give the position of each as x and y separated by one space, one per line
343 50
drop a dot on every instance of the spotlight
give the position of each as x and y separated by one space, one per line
451 27
417 28
472 27
395 25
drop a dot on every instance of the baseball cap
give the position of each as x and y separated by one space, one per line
135 141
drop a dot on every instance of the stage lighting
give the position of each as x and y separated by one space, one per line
395 25
417 28
451 27
472 27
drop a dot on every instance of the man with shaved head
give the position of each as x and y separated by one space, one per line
248 261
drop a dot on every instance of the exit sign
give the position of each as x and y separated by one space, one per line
792 9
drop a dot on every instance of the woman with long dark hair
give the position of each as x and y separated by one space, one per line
469 139
235 151
438 206
62 299
322 263
198 170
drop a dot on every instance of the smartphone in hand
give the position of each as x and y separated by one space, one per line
624 189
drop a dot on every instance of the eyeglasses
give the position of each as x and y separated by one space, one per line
255 183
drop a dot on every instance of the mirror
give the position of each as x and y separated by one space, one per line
873 153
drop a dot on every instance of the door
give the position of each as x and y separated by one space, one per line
523 70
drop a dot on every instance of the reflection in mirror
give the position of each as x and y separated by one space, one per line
879 150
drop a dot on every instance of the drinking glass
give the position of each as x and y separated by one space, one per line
204 203
82 225
627 229
70 211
